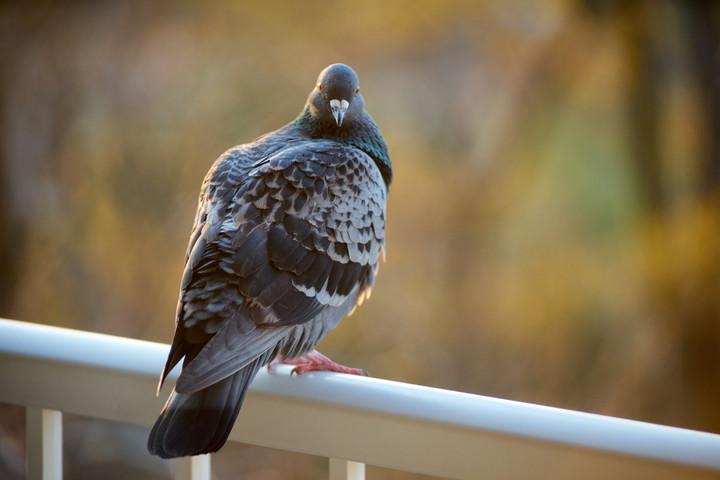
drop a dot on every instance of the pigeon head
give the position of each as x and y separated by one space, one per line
335 110
336 101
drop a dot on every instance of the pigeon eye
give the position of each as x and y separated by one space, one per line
319 87
357 90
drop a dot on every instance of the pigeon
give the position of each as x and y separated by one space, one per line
286 242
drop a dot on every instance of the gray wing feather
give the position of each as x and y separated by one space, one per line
275 244
229 350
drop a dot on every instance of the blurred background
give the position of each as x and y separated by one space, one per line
554 223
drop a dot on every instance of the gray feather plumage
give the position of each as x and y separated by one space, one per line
285 243
325 199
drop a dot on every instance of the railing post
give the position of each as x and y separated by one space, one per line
192 468
346 470
43 440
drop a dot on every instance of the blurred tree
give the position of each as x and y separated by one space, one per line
701 19
12 240
644 100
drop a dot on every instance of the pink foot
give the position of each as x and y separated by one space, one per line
317 362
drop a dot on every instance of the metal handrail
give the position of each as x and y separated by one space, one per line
352 420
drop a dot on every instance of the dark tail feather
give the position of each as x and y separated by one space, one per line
200 422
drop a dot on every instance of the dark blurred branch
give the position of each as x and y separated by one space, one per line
701 20
643 95
12 236
644 47
643 103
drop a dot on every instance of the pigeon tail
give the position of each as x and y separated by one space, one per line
200 422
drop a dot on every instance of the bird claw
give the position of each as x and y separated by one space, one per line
317 362
272 364
301 369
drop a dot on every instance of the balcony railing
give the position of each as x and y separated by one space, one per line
351 420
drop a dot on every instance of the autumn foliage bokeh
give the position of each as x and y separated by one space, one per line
554 223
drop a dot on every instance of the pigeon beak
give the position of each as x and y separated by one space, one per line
338 109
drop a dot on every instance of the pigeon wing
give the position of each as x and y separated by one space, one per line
300 235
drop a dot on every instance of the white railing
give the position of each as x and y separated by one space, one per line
352 420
